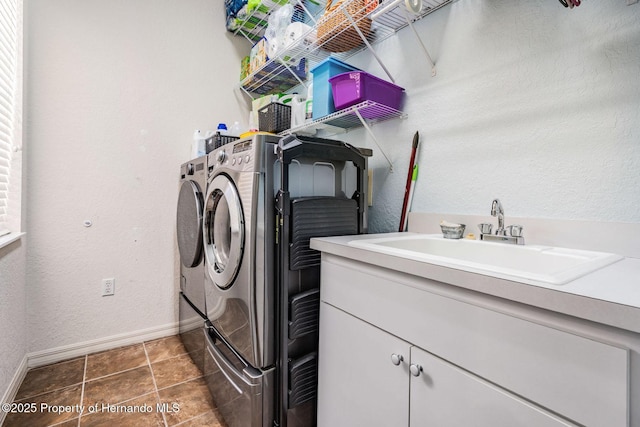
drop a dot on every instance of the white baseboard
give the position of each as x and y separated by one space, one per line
58 354
14 385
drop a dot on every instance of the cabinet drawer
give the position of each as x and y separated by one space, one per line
581 379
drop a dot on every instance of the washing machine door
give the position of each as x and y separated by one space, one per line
223 231
189 224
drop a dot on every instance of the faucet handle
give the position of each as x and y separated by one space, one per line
485 228
515 230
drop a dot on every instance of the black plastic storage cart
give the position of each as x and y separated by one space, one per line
300 218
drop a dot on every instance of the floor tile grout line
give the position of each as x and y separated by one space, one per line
182 382
62 362
115 373
169 358
155 385
47 392
181 423
130 399
84 380
164 339
52 390
84 373
62 422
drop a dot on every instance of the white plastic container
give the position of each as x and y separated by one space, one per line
235 129
308 109
198 145
222 129
298 106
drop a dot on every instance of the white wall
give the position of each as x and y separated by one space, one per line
533 103
13 309
13 312
115 91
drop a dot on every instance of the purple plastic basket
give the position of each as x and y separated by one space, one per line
354 87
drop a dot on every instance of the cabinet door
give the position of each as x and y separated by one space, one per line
444 395
358 383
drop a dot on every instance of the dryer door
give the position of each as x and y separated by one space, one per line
223 231
189 224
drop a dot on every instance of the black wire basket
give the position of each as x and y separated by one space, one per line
217 141
274 117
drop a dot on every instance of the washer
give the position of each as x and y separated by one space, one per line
239 248
238 237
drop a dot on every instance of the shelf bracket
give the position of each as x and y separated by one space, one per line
244 31
375 140
366 42
424 48
246 91
293 73
306 11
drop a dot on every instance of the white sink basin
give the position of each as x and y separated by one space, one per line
527 264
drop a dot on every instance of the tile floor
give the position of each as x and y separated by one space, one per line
150 384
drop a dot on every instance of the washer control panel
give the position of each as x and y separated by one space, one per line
241 154
237 156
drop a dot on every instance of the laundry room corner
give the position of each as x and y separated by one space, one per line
105 136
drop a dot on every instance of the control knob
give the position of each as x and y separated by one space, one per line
222 156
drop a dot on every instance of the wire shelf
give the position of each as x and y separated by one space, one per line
290 66
288 69
397 16
348 118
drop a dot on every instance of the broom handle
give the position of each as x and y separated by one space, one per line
407 187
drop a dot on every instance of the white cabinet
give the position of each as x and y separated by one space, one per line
444 395
368 377
358 384
484 363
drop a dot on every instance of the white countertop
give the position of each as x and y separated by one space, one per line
609 296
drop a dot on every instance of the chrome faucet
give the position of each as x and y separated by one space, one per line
497 210
514 231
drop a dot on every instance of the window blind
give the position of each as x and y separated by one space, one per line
8 85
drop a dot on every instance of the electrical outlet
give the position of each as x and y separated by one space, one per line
108 287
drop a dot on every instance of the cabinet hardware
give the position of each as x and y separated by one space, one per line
415 369
396 359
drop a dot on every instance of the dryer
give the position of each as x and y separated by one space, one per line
192 307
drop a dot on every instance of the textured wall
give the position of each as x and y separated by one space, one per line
533 103
13 315
13 309
115 90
